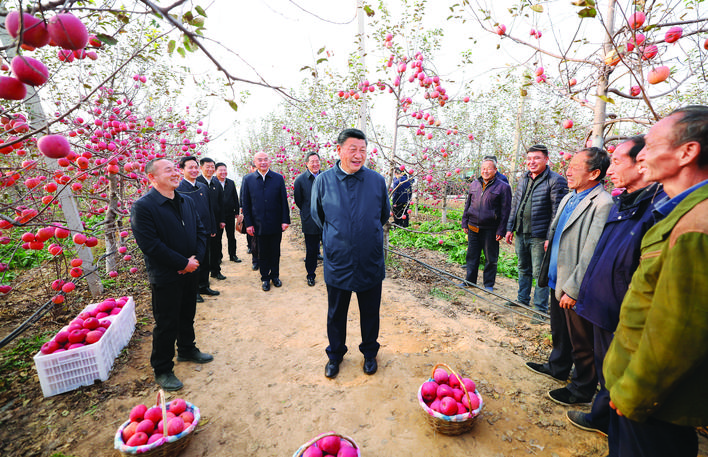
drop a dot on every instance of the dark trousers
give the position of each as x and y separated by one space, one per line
214 248
312 250
203 271
253 246
600 413
399 211
338 307
230 230
652 438
484 240
561 359
269 255
173 307
584 382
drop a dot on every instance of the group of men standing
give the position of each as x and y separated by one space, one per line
628 299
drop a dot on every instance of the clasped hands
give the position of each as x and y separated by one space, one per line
192 264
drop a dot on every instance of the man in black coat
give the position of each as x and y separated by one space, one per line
168 231
266 215
313 233
232 208
199 193
216 201
251 240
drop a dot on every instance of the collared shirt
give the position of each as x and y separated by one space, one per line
223 183
208 180
562 220
263 175
193 183
665 206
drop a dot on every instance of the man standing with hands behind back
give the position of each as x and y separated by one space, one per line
232 207
313 233
350 203
171 236
216 201
266 215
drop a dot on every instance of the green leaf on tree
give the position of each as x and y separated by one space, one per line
524 92
369 12
323 59
187 17
197 22
107 39
537 8
232 104
606 99
200 11
171 46
322 49
181 52
587 12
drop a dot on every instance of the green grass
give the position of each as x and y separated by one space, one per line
439 293
16 363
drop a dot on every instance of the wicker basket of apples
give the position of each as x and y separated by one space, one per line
329 444
160 431
450 402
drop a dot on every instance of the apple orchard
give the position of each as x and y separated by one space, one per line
90 94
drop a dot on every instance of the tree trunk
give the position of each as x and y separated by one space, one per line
600 110
111 227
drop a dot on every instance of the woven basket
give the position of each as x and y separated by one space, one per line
167 446
301 449
450 425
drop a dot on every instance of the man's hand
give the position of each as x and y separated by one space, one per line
284 226
612 405
499 237
192 264
566 302
509 237
251 231
465 230
545 246
213 235
222 225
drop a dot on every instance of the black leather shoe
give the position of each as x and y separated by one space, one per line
197 357
200 299
254 267
234 258
277 282
168 381
219 276
248 251
370 366
332 369
208 291
319 257
266 286
310 282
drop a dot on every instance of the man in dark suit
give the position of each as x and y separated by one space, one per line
198 192
266 215
231 210
313 233
171 236
216 201
251 240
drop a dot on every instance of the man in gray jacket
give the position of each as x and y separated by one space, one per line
572 238
350 204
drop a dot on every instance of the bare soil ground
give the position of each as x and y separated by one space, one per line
265 394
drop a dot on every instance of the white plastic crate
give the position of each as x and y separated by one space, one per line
68 370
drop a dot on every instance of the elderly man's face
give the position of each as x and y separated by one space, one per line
352 154
190 170
208 169
625 172
488 170
579 177
262 162
658 159
165 175
313 164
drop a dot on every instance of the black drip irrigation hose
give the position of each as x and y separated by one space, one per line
525 311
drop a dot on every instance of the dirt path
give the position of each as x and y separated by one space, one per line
265 394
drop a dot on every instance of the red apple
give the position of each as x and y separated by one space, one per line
636 20
76 336
568 123
329 444
658 74
93 336
440 376
178 406
673 34
35 31
635 91
12 88
448 406
138 413
500 29
154 414
138 439
54 146
129 431
29 71
650 52
429 390
68 31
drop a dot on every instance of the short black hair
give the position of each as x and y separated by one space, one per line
186 159
597 159
220 164
540 148
204 160
150 166
638 143
692 126
351 133
310 154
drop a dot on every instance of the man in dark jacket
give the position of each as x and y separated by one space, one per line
484 221
168 231
267 215
532 209
350 203
313 233
401 194
612 265
216 202
232 209
251 240
199 193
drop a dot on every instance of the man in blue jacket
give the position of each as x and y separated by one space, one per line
350 204
170 235
266 215
302 194
401 194
612 265
484 221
